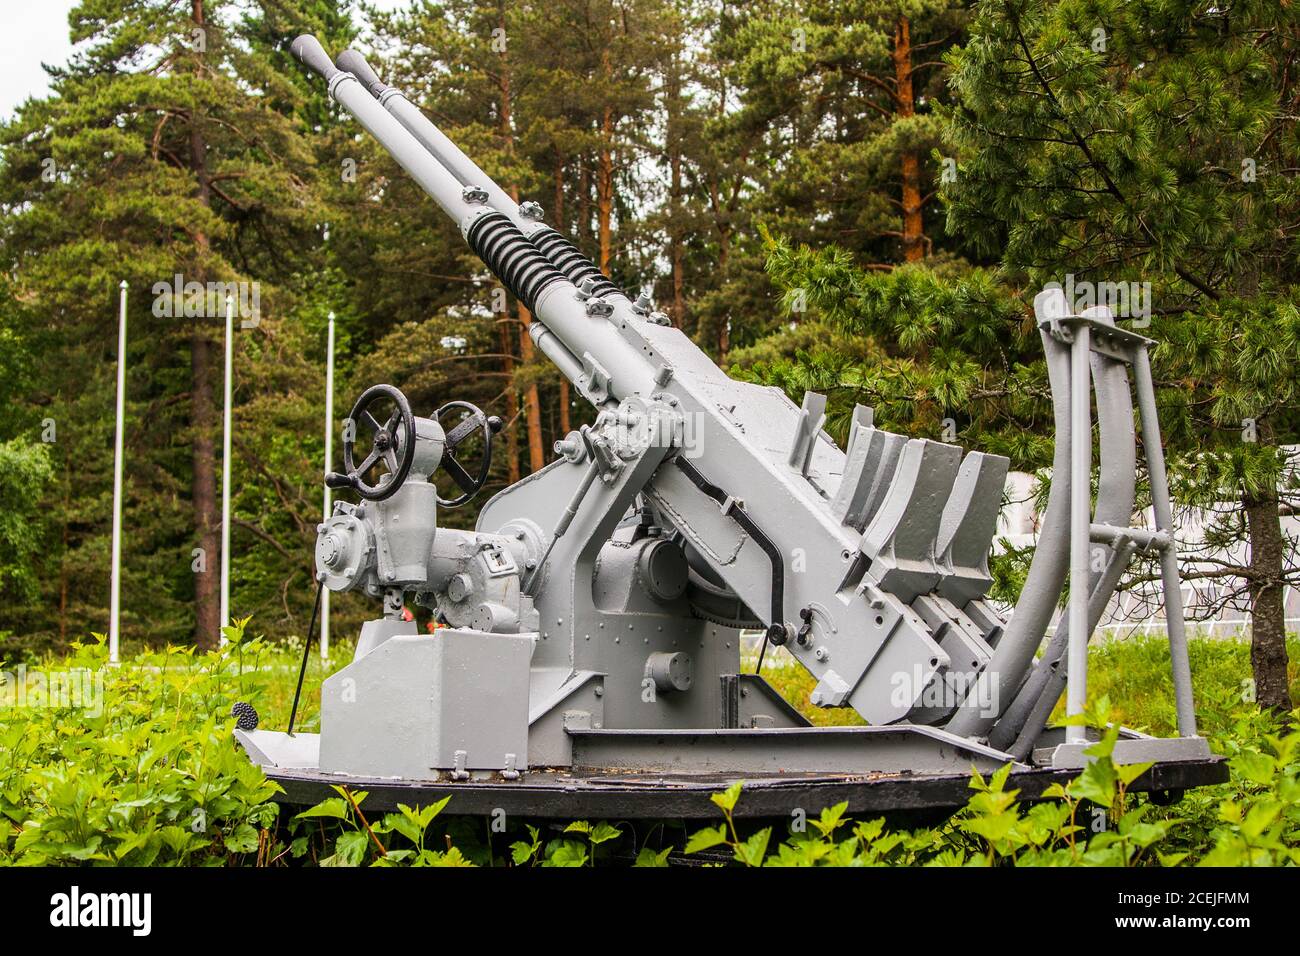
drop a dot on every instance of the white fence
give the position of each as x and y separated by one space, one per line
1214 606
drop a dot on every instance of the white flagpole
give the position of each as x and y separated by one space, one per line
329 466
115 601
225 471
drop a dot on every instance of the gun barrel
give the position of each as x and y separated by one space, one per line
348 92
586 346
555 350
466 171
558 249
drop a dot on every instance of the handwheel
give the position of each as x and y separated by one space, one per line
392 443
474 421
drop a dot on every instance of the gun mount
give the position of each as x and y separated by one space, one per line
594 615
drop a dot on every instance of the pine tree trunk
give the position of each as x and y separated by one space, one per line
724 253
203 492
582 229
905 106
557 218
675 191
723 225
512 401
532 400
557 175
63 576
1268 656
679 290
605 173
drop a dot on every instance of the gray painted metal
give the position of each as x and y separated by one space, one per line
575 632
413 706
1080 392
1155 455
783 750
1116 492
1014 653
1071 756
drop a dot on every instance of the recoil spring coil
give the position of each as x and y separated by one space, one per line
520 266
576 267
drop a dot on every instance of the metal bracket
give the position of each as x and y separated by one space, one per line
811 418
595 380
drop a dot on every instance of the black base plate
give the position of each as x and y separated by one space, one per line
596 795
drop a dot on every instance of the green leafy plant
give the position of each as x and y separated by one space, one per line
152 776
749 851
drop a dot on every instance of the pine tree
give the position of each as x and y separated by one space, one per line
812 119
528 93
844 93
464 62
25 463
947 353
722 164
1121 142
157 154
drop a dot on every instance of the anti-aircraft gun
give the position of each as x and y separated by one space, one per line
594 616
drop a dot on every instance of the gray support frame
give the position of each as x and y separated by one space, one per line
1113 354
1151 444
1116 494
1025 719
1080 393
1014 653
905 749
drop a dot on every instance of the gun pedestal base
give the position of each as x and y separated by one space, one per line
682 769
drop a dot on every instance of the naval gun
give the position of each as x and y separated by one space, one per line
590 661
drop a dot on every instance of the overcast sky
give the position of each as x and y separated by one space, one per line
33 32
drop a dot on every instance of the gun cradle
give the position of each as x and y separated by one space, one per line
618 598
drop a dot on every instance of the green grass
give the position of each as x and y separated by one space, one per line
1134 674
